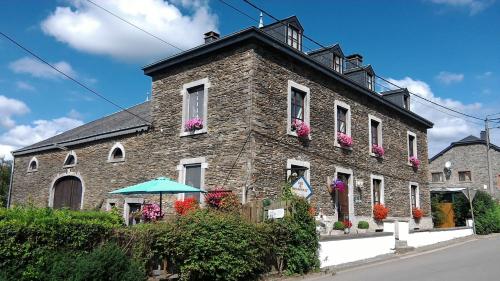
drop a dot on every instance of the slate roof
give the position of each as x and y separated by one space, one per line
119 123
469 140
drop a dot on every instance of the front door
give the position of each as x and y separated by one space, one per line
343 198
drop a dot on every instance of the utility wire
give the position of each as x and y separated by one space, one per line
237 157
70 77
383 79
137 27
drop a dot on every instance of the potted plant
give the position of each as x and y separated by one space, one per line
417 214
414 162
380 212
337 185
378 150
363 226
344 140
151 212
193 124
338 228
347 226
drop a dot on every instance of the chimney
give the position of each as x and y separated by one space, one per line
211 36
483 135
354 60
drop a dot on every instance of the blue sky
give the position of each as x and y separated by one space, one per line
445 50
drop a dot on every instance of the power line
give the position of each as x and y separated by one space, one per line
237 157
385 80
70 77
138 27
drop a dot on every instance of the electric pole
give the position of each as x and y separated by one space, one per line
487 132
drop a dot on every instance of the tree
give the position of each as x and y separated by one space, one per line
5 170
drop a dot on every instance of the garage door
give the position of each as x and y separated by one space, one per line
68 193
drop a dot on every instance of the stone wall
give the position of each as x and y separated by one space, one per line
467 158
97 174
273 146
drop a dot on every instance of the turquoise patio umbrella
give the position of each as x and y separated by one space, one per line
160 186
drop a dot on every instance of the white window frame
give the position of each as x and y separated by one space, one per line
72 152
379 133
382 188
185 100
295 162
417 201
350 188
335 57
110 154
182 174
336 104
307 105
415 147
109 202
370 81
126 208
29 165
62 175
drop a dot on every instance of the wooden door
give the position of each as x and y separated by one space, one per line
68 193
449 215
343 198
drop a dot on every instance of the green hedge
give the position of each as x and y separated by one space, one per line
486 213
29 237
44 244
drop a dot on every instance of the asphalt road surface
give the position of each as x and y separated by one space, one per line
475 260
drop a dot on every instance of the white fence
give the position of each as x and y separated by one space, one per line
335 252
424 238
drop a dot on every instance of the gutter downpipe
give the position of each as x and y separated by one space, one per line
11 182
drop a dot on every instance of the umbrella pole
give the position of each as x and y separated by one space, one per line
160 203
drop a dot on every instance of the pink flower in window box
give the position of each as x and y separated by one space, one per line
338 185
151 212
378 150
301 128
344 140
414 162
193 124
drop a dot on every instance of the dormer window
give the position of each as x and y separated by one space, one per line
294 38
406 102
337 64
370 83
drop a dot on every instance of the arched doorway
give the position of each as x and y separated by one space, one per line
68 193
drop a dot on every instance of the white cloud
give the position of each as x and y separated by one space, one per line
447 128
446 77
24 135
21 85
87 28
73 113
38 69
484 75
10 107
474 6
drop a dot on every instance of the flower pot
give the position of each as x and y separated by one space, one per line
347 230
336 232
362 230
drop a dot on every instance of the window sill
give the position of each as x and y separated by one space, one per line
32 171
69 166
197 132
294 134
375 156
116 160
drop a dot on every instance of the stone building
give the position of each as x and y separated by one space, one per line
248 89
468 167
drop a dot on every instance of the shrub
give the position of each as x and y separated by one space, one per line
438 215
461 209
211 245
486 213
347 223
182 207
222 200
380 212
293 240
29 237
338 225
363 225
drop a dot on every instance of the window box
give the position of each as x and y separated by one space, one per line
415 163
194 124
344 140
378 151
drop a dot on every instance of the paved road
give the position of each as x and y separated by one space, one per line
475 260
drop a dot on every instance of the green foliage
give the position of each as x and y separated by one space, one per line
293 239
338 225
30 236
438 216
486 213
5 171
363 225
461 209
212 245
